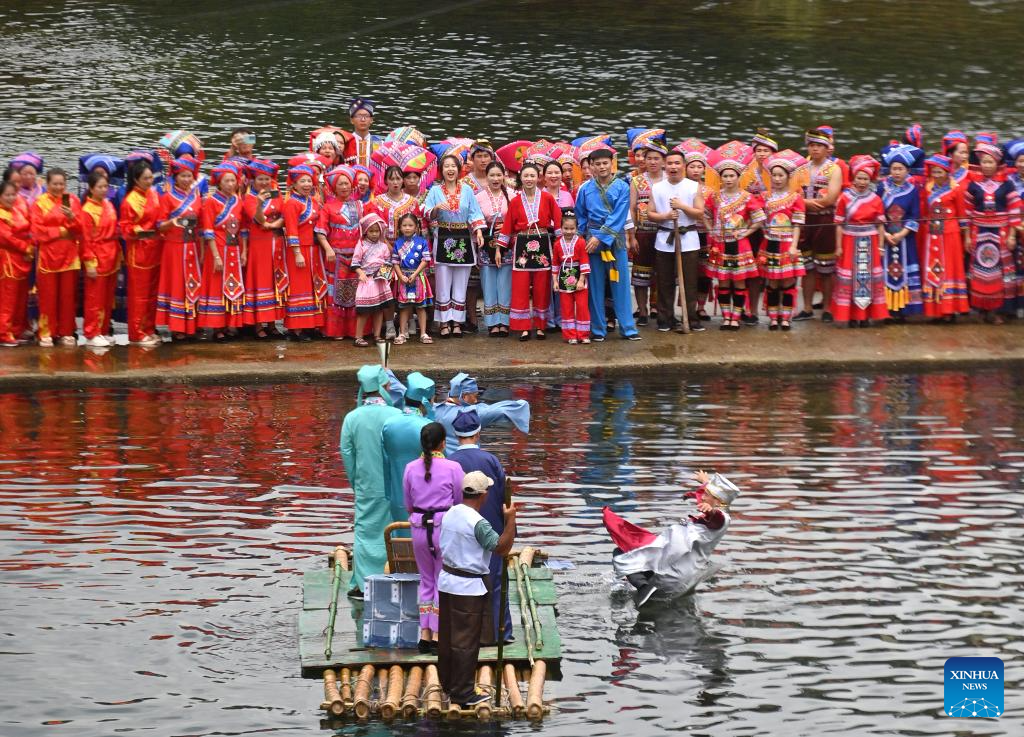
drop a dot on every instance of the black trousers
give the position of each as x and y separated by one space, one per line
460 623
665 278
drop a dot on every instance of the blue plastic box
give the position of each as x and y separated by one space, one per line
378 633
391 597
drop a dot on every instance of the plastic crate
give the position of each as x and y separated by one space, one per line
378 633
392 597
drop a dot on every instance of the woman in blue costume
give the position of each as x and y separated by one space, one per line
902 202
363 455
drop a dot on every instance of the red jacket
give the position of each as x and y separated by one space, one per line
140 211
56 252
15 241
549 217
100 247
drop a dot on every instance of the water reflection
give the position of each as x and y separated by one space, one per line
151 543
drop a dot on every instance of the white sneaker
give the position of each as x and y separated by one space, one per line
69 340
150 341
99 341
46 342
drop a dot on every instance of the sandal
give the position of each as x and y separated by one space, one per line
445 332
525 336
379 340
784 325
457 331
360 343
494 332
541 335
426 339
401 338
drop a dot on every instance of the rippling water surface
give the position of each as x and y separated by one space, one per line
80 76
152 544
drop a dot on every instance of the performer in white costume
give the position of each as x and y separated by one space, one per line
676 560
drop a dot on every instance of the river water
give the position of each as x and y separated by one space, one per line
81 76
152 543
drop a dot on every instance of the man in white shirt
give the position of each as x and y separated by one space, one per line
467 541
676 202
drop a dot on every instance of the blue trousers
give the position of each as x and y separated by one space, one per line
496 283
622 293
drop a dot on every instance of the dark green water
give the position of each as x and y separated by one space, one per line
80 76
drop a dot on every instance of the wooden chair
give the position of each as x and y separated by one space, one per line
400 556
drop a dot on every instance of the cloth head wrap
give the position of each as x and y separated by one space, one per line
951 140
466 423
370 219
263 166
1014 149
789 160
914 135
421 389
372 378
902 153
817 135
939 160
360 103
338 172
184 163
763 138
865 163
300 171
27 158
217 173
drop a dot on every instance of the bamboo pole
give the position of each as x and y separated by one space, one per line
432 693
485 681
535 693
382 687
362 696
340 564
389 707
526 556
334 703
684 326
411 698
524 610
515 697
346 687
341 557
539 638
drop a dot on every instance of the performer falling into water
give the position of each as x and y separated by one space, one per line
674 561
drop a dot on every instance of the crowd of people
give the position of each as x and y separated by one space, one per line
377 238
409 459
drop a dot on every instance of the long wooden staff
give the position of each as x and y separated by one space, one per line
677 238
502 603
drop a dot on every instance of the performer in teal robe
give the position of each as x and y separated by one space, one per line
463 392
363 456
400 437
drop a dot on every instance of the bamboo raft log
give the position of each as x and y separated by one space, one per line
364 683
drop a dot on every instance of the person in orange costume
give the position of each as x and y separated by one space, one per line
55 222
101 258
16 256
140 215
180 277
222 295
307 280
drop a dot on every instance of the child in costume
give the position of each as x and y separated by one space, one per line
674 561
569 269
411 258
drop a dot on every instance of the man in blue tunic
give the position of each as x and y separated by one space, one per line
464 392
602 207
363 455
400 437
472 457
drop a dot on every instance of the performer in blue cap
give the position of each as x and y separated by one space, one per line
472 457
464 392
363 455
400 437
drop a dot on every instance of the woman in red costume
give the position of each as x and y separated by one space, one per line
733 214
532 223
338 230
266 279
221 304
101 259
994 208
394 202
307 282
859 294
16 256
943 239
56 226
140 215
180 273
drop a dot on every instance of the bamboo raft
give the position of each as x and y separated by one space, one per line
363 683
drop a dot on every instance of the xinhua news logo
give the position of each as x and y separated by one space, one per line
974 687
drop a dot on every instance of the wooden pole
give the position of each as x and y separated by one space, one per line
382 688
389 706
346 687
535 693
515 698
486 682
411 698
502 603
524 609
539 637
362 696
677 238
432 693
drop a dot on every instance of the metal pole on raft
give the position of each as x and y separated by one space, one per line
502 603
